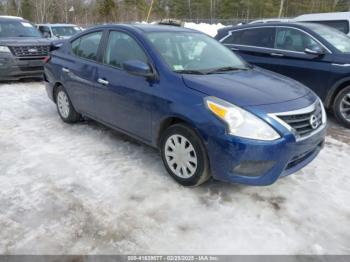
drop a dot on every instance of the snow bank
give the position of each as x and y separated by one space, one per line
210 29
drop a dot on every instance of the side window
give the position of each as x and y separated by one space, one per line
233 38
120 48
261 37
293 40
87 45
45 31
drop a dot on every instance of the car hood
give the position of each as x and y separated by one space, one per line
24 41
248 87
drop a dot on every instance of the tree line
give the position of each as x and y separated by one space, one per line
87 12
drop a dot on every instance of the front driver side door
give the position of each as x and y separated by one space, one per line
121 99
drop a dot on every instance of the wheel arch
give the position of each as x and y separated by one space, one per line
54 89
172 120
334 91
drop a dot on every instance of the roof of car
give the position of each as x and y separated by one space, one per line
270 20
295 24
53 25
10 18
156 28
148 27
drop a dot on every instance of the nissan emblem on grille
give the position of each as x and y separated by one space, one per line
304 122
314 122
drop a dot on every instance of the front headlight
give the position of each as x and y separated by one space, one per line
240 122
4 49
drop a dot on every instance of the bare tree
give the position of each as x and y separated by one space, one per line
281 8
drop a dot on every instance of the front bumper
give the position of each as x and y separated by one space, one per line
16 68
230 158
252 162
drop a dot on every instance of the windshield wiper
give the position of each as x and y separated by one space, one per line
225 69
191 72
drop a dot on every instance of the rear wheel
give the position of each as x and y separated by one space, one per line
184 155
341 107
65 108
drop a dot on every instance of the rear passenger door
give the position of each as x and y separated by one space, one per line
253 44
79 71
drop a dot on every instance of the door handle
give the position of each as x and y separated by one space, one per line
277 54
66 70
102 81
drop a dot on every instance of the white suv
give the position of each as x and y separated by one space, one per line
58 31
338 20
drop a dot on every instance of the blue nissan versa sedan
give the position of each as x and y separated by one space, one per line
316 55
208 112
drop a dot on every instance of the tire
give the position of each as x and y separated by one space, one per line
341 107
65 108
190 165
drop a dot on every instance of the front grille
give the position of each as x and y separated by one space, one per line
304 123
28 69
29 51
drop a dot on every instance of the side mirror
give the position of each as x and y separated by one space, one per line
138 68
56 45
317 51
46 34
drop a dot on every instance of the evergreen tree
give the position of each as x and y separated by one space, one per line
27 9
107 10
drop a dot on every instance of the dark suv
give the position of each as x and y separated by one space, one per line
22 49
316 55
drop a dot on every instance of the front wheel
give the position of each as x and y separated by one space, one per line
341 107
184 155
64 106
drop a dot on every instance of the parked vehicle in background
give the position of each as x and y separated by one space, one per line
338 20
58 31
315 55
181 91
22 49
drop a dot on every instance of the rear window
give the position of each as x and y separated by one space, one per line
341 25
260 37
87 45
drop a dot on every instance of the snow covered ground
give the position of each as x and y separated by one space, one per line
83 189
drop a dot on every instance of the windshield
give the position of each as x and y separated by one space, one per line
65 30
336 38
194 52
18 29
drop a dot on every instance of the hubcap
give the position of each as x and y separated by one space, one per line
63 104
345 107
180 156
